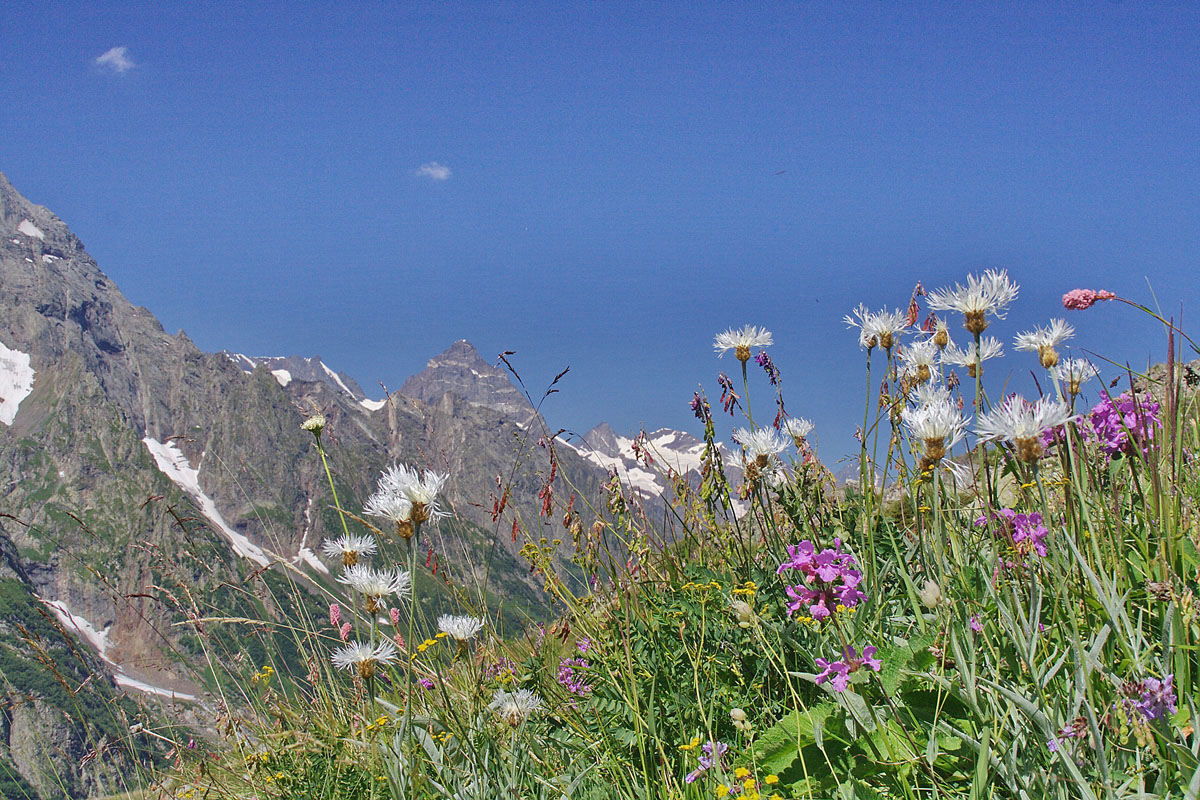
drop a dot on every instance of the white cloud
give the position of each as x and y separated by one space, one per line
117 59
434 170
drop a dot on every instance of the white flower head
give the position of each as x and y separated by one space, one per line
1074 372
797 428
1022 423
407 498
931 594
990 294
877 327
918 359
460 628
938 426
376 584
314 424
364 658
515 707
928 393
349 548
760 452
1045 341
741 341
972 355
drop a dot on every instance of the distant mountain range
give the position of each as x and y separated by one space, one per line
132 462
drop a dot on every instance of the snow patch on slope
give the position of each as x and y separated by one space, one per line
174 465
283 376
29 229
309 557
16 382
99 640
372 405
337 379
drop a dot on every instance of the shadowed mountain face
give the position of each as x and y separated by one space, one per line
461 372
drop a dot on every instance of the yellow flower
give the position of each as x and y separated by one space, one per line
741 772
771 780
749 783
722 790
691 745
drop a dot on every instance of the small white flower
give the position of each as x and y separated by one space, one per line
515 707
460 628
797 428
376 584
971 356
990 294
349 548
364 658
741 341
314 424
1074 372
1022 423
877 327
918 359
1044 341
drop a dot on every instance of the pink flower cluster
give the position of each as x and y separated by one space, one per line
829 579
1079 299
1024 532
838 672
1121 423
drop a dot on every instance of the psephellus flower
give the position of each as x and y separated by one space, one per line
990 294
460 628
761 449
938 426
797 428
1073 373
973 355
1022 423
364 658
877 328
374 585
918 359
941 335
742 341
1044 341
406 498
515 707
349 548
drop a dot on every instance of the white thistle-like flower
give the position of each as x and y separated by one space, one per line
741 341
938 425
515 707
349 548
760 451
797 428
1022 423
877 327
1044 341
990 294
364 658
972 356
918 359
407 498
376 584
928 393
460 628
1074 372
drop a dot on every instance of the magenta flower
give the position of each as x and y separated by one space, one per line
838 672
976 624
335 615
1158 698
1079 299
1025 533
1121 423
571 674
829 579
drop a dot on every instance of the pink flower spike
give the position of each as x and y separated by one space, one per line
345 632
1079 299
394 616
335 615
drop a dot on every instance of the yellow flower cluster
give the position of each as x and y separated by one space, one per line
263 676
749 588
692 745
428 643
379 722
700 586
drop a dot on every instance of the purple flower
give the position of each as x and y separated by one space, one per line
426 683
768 366
583 645
1025 533
828 579
976 625
1158 697
713 753
1119 424
838 672
571 680
701 408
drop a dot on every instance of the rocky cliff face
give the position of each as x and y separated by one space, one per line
461 372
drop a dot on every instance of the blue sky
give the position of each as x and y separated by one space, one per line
612 183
